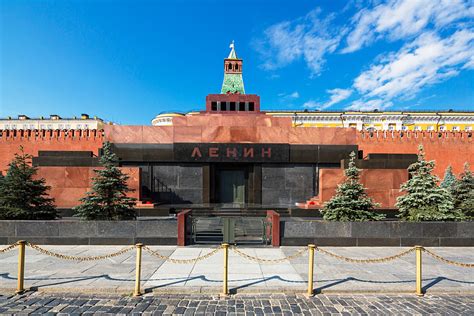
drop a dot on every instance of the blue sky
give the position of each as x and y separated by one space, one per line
127 61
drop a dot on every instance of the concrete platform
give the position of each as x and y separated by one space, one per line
116 275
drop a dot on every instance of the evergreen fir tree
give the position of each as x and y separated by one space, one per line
351 203
424 199
463 192
108 198
22 196
449 179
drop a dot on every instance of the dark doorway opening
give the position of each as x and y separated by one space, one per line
232 186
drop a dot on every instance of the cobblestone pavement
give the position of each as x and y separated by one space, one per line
244 304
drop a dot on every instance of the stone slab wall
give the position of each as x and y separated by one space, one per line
69 184
74 232
287 184
395 234
383 185
293 233
178 184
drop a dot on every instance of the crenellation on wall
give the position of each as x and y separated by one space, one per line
414 135
8 135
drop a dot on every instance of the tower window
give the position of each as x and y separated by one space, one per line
214 106
232 106
230 66
236 67
223 106
251 106
241 106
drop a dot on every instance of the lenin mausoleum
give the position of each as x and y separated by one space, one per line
233 154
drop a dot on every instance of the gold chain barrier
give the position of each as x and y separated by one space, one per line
374 260
455 263
8 248
270 261
311 248
78 258
181 261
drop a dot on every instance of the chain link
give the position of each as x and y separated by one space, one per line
260 260
455 263
78 258
181 261
374 260
8 248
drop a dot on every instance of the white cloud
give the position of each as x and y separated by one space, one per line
399 19
427 60
336 95
369 105
294 95
309 38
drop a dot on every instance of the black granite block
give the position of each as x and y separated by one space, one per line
189 177
7 228
166 177
465 230
116 229
168 241
332 229
292 229
427 242
335 241
296 241
378 242
78 229
456 242
37 228
63 240
304 153
157 228
444 229
63 153
111 241
157 152
128 152
371 229
406 230
335 153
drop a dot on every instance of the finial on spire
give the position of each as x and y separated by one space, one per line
232 54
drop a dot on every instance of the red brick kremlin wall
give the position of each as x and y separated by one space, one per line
445 148
68 184
34 141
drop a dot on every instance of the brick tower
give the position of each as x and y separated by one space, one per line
233 82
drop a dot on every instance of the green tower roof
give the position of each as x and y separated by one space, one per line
233 81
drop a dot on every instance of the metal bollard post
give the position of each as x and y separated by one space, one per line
310 269
138 270
418 250
225 287
21 267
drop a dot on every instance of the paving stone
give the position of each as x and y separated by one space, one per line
36 303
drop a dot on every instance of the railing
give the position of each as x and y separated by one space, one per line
211 227
310 250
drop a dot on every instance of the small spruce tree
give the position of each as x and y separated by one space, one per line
21 196
424 199
108 198
449 179
463 192
351 203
